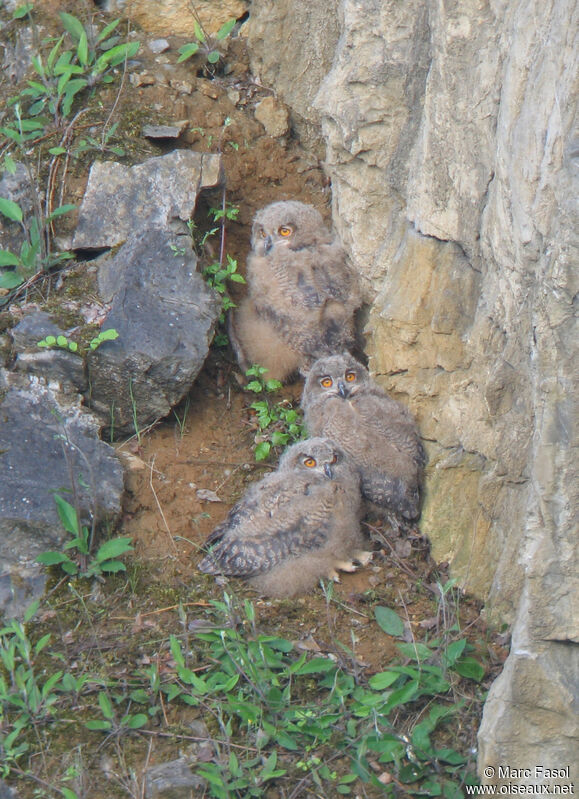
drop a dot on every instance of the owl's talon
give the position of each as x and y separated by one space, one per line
363 558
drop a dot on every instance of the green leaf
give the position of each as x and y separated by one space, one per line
8 258
214 56
10 209
10 280
51 558
198 31
66 512
73 25
110 566
106 705
262 450
62 341
108 29
137 721
22 11
176 650
453 652
389 621
113 548
470 668
108 335
416 651
68 793
225 29
82 49
115 56
317 665
382 680
62 209
98 725
186 51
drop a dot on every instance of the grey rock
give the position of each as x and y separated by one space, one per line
48 444
17 54
33 328
57 365
20 189
159 193
173 780
6 792
165 315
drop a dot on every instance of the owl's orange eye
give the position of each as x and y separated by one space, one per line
350 377
309 462
285 231
326 382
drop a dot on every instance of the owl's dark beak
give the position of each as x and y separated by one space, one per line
328 471
343 389
267 244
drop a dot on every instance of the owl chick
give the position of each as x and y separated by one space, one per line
298 524
341 401
302 293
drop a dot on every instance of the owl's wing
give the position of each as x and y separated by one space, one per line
388 420
274 524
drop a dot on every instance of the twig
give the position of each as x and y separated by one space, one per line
151 465
163 610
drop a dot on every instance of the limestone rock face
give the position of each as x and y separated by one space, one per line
452 144
291 46
174 17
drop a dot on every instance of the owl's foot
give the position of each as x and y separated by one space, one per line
360 559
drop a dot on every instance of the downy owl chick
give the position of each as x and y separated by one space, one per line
341 401
302 293
298 524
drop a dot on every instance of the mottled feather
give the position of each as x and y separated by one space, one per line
341 401
302 292
295 525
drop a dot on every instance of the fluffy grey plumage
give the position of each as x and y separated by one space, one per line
298 524
302 293
341 401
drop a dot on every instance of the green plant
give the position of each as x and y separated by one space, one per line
64 73
89 143
62 342
279 423
205 44
27 694
35 254
105 559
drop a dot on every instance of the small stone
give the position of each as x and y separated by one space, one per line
182 86
274 117
206 495
164 131
159 46
141 79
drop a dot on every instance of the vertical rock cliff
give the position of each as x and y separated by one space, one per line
451 139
